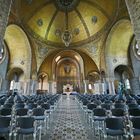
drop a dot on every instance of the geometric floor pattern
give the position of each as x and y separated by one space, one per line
68 122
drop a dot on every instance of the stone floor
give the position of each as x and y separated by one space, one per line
68 122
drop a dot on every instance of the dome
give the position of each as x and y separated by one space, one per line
86 19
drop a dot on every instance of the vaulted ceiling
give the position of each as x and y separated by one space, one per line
87 19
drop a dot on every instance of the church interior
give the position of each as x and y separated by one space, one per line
70 69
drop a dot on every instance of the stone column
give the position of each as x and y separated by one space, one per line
111 87
135 85
85 86
33 86
50 86
133 7
29 87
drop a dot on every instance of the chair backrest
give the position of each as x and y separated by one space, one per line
4 121
119 105
45 106
8 105
136 122
138 101
117 112
91 106
19 105
22 111
99 112
39 102
114 123
38 111
134 112
31 105
5 111
106 106
85 102
133 105
25 122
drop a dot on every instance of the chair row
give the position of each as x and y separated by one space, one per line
20 127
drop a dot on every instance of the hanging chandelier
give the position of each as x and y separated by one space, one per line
66 6
66 35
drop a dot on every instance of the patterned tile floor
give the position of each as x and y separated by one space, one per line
68 122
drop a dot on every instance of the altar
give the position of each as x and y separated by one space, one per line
68 88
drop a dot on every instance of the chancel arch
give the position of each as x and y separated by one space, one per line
68 72
68 69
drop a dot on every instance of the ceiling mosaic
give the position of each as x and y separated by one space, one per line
46 20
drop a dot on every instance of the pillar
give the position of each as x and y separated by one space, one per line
135 85
33 86
85 86
50 86
110 85
133 7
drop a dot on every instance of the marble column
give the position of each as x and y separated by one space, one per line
133 7
33 86
85 86
110 87
135 85
50 86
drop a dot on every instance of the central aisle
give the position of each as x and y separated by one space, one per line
68 122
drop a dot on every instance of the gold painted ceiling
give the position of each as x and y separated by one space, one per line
86 19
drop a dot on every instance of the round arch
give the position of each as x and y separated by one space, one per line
117 45
70 54
123 74
19 49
